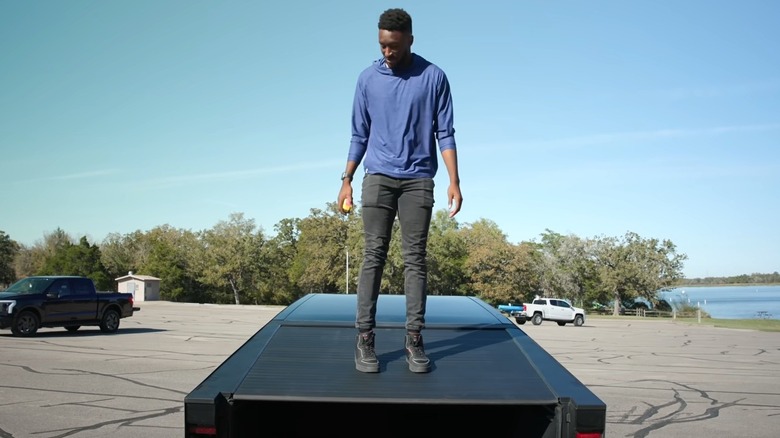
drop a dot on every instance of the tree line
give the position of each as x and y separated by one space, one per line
236 261
754 278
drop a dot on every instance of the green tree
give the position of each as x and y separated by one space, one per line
561 266
447 255
526 276
53 242
27 261
279 254
353 251
497 270
234 262
30 260
172 255
8 251
321 257
233 251
634 267
82 259
119 253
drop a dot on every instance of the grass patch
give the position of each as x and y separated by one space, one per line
764 325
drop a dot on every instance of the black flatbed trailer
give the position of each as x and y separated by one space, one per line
296 377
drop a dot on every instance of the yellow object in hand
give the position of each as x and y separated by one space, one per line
346 205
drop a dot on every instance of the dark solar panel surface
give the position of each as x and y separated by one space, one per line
480 366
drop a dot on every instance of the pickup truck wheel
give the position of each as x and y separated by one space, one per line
520 320
26 324
578 320
72 328
110 321
561 323
537 319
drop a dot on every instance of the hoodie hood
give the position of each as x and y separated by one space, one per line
381 67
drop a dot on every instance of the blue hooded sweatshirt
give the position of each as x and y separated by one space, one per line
397 118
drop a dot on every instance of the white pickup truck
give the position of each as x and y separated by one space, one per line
550 309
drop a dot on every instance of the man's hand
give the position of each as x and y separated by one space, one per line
345 194
454 199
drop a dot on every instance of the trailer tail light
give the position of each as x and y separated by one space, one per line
202 431
588 435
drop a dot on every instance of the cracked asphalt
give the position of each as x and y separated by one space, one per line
661 378
658 378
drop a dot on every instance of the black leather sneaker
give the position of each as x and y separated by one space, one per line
365 356
415 354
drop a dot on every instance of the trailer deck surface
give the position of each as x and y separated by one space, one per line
302 361
296 359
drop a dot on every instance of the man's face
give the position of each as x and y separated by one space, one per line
396 47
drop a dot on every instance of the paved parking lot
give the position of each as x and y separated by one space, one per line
658 378
665 379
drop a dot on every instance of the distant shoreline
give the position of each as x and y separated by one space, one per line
725 285
764 325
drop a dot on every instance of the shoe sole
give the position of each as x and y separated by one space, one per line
418 368
366 368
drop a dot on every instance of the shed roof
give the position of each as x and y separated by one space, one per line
136 277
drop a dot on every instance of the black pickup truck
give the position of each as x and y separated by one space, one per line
61 301
296 377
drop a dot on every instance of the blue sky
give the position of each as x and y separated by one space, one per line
586 117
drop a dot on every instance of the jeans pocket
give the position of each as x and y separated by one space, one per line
428 186
370 195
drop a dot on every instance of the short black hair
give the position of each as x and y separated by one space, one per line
395 19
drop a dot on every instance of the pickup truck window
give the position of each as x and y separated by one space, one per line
564 304
82 286
60 287
539 302
30 286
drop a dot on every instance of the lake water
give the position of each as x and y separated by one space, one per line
729 302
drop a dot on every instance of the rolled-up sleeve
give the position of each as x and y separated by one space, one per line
361 125
445 130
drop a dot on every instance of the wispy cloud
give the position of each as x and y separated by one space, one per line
220 203
85 175
620 175
625 137
737 90
233 175
592 158
71 176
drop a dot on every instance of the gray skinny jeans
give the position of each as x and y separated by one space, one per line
412 200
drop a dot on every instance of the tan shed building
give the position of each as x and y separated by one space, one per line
143 287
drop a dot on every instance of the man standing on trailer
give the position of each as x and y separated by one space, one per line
402 111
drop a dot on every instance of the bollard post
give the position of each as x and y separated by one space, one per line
698 315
